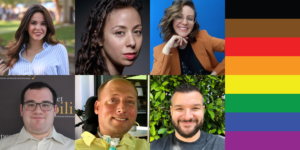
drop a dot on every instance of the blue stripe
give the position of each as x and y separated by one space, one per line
262 121
52 60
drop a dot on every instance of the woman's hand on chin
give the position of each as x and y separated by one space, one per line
3 67
174 42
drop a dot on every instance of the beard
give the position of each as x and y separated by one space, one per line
191 133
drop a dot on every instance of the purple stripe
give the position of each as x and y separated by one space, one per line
262 140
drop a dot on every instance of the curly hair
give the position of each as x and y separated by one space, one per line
22 35
166 23
89 57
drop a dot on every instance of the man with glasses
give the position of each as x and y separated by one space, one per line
187 111
38 109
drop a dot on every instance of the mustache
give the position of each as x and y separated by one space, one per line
190 120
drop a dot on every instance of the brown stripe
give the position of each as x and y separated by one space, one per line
262 27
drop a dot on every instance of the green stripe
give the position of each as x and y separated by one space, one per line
262 103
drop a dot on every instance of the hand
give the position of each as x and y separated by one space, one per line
213 73
3 67
174 42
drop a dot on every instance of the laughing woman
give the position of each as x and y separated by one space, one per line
188 50
34 51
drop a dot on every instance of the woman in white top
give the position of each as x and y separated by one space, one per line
34 51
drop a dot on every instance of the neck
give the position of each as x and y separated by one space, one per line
39 136
112 135
34 45
112 68
191 139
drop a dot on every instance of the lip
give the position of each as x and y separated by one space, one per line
38 33
118 120
37 117
184 29
130 56
187 123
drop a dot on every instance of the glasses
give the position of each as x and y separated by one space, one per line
45 106
190 20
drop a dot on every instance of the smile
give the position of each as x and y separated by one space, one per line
38 33
120 119
182 28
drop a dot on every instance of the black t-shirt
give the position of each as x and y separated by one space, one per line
205 142
189 63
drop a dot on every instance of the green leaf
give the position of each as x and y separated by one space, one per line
161 130
162 96
151 96
169 132
151 139
208 125
157 88
213 130
219 101
152 123
212 114
165 83
219 131
156 137
153 85
152 130
157 94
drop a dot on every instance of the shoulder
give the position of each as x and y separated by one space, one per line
59 47
66 140
161 143
140 143
202 35
214 139
8 141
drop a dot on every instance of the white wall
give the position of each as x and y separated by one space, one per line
84 88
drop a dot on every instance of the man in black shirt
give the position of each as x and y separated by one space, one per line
187 111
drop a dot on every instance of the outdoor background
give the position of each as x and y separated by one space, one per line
162 88
210 16
63 15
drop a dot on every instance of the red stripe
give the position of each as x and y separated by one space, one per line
262 46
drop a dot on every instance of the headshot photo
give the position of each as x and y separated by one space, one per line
35 45
41 113
113 117
187 113
187 37
112 37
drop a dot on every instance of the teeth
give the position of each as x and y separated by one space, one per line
120 119
183 28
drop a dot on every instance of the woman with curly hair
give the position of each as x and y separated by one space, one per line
34 51
187 50
113 38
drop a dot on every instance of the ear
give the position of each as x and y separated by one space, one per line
171 110
100 43
21 110
55 110
96 108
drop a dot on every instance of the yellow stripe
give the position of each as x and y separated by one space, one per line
262 84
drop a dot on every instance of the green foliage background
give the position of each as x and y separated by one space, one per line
162 88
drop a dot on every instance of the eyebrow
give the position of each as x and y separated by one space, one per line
124 27
182 105
42 101
126 97
36 21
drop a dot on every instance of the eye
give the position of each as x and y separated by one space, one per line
112 100
119 33
130 102
179 17
44 23
32 22
138 32
190 19
179 109
30 104
45 105
196 108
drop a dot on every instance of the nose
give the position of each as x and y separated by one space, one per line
38 109
188 114
121 108
184 21
130 40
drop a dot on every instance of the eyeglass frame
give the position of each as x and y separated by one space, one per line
36 105
176 19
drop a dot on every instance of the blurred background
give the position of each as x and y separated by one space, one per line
63 16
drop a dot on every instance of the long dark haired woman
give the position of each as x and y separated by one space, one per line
187 50
34 51
113 38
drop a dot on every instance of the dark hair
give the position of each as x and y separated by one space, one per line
38 85
166 23
89 57
22 35
186 88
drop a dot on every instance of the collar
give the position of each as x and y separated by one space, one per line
88 138
45 45
24 136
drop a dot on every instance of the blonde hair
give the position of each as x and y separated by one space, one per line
166 23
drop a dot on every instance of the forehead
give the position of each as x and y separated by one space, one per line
119 87
38 95
128 17
187 10
186 99
38 16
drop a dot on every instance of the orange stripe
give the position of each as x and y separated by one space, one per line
262 65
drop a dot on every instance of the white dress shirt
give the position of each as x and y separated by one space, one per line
25 141
52 60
